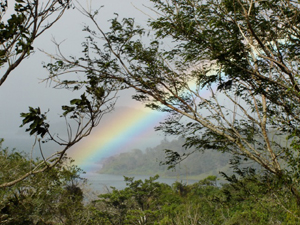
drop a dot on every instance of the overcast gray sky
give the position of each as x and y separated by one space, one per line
23 87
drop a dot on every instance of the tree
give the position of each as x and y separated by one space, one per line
141 202
30 19
81 116
45 198
250 200
245 53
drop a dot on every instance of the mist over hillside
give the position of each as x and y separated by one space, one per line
150 162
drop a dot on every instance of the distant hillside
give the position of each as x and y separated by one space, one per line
137 162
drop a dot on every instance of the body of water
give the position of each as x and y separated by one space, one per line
101 183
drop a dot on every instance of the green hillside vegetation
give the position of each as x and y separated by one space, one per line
250 200
151 161
42 198
226 73
245 54
57 197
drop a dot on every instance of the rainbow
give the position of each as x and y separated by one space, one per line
125 129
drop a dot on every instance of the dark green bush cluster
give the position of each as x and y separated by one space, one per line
56 197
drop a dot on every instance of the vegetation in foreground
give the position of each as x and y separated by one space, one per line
245 53
56 197
230 76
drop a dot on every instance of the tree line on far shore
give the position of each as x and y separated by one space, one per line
152 161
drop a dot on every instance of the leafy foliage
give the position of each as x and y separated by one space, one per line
84 112
54 196
244 53
37 120
249 200
28 21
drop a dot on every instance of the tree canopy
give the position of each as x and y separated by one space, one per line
229 81
19 30
29 20
244 53
46 198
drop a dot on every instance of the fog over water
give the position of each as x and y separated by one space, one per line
102 182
